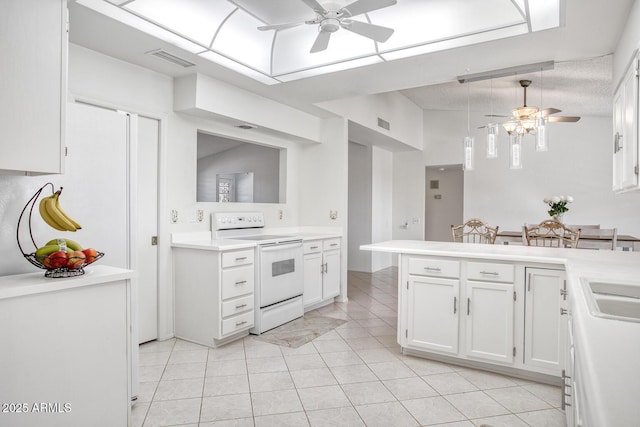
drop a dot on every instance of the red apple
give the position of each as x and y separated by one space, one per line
56 260
90 255
76 259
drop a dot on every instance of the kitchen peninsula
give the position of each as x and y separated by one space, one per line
526 311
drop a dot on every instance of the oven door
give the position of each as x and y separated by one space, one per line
281 275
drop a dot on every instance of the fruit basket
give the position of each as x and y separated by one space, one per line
59 257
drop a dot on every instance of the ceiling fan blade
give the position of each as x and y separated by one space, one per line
321 43
279 26
317 7
548 111
566 119
374 32
363 6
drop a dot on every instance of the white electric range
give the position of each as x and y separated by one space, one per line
279 279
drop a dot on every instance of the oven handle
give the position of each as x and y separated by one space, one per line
272 247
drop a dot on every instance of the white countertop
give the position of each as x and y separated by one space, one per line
609 349
202 239
35 283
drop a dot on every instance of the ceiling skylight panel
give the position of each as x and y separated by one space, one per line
197 20
291 49
239 39
544 14
354 63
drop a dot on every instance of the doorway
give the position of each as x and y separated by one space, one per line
444 201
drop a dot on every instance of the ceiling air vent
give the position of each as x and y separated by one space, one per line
246 126
384 124
163 54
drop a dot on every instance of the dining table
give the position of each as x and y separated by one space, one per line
625 241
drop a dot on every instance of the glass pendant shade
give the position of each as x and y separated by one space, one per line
469 159
515 151
542 137
492 141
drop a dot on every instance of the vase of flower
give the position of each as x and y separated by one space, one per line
558 206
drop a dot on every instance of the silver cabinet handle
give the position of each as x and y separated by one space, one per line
241 305
241 258
242 282
326 267
241 323
468 306
490 273
455 303
432 268
313 247
564 311
333 244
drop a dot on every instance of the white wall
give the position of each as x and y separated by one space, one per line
408 195
359 195
381 204
404 116
629 41
578 163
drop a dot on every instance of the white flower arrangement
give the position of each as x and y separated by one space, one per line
558 204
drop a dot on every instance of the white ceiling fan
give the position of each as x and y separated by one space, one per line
331 17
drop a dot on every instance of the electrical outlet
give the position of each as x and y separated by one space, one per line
174 216
333 215
199 215
416 220
280 214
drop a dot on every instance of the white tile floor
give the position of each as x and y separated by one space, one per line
354 375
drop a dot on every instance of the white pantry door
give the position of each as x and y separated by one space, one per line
146 207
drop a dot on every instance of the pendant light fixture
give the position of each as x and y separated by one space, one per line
492 132
542 137
469 159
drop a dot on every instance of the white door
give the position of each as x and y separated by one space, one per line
432 322
331 278
95 181
545 328
489 321
146 229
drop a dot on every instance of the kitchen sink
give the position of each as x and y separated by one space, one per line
613 300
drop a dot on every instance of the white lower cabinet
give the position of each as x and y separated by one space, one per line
483 312
545 327
214 294
432 315
489 321
321 271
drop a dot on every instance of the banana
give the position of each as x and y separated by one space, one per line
73 245
47 218
54 215
64 214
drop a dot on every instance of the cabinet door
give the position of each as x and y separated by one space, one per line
626 130
432 322
33 85
489 321
313 268
545 329
331 279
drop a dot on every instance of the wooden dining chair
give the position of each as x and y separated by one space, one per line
474 231
602 238
551 233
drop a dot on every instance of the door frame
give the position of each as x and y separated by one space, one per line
165 289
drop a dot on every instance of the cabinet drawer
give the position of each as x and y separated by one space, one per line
312 247
236 306
329 244
237 323
434 267
237 281
490 272
231 259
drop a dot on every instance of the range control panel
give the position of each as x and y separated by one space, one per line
232 220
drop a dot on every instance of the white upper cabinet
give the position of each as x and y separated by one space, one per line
34 43
625 130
